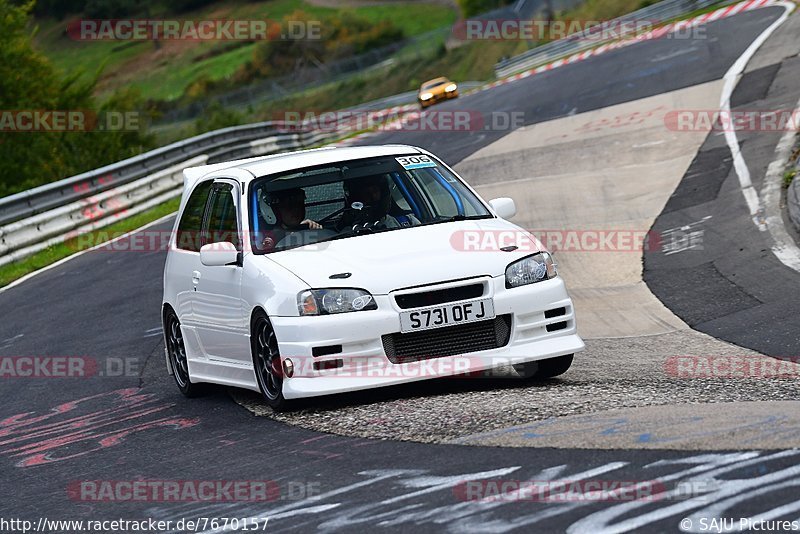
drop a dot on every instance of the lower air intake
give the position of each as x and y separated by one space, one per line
448 341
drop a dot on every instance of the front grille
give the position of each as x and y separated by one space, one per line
439 296
448 341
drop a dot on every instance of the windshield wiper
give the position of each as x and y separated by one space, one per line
465 218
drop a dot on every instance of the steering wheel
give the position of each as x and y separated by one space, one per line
332 215
349 208
356 214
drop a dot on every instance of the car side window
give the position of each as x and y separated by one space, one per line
223 218
442 192
188 235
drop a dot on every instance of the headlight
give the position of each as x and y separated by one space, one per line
426 96
530 270
450 88
335 300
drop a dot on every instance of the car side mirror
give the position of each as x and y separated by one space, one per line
504 207
219 254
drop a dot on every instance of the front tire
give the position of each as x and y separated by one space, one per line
176 349
544 369
267 362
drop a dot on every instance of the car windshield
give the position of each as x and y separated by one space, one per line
354 198
431 85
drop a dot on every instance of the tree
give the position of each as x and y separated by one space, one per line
471 8
28 82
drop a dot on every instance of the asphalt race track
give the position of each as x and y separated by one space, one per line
129 422
735 279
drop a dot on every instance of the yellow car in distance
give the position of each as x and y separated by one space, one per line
436 90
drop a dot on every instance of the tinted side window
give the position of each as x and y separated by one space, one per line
223 222
188 237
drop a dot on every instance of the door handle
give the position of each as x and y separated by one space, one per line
196 277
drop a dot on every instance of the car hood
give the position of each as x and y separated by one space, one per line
396 259
438 90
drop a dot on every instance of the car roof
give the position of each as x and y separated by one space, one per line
287 161
307 158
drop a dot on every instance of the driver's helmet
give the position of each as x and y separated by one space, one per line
372 191
292 197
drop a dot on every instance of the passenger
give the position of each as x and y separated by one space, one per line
373 192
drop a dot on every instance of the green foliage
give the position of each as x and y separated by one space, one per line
471 8
58 8
180 6
602 9
788 177
350 34
215 117
109 9
341 35
28 82
280 56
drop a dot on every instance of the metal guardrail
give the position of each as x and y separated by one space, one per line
49 196
35 219
584 40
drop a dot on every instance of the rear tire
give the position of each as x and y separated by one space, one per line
544 369
177 356
267 362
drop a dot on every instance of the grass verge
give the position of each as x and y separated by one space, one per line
788 177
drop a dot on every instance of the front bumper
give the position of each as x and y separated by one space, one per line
364 363
438 98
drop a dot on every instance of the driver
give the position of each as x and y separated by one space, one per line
373 192
289 207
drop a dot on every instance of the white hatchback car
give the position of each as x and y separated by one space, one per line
338 269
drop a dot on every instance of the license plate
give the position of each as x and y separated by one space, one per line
447 315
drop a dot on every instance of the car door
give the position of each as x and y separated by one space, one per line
218 308
184 257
